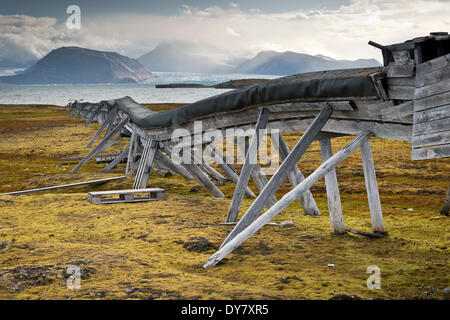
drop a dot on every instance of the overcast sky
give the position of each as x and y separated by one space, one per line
223 29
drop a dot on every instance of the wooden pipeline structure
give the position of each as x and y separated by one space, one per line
407 99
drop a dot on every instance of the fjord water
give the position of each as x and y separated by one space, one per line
142 93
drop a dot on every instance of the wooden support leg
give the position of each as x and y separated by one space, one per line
445 210
333 196
219 159
373 196
258 174
93 115
171 165
280 175
306 199
288 198
247 167
207 168
111 117
145 165
131 153
204 179
101 146
117 160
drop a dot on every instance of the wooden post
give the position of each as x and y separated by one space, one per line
288 198
117 160
100 147
306 199
111 117
93 115
257 173
247 168
169 163
373 196
207 168
445 210
282 172
219 159
131 153
145 165
333 196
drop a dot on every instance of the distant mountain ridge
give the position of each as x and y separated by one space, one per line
288 63
176 57
75 65
168 57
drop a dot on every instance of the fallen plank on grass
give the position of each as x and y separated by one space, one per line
72 185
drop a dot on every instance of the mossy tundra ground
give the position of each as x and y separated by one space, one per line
151 250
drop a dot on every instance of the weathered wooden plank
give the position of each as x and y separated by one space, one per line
433 65
333 195
432 89
432 102
131 153
376 214
101 146
310 106
287 199
401 92
432 114
117 160
64 186
431 126
399 71
433 77
147 158
282 172
399 111
431 152
295 176
376 79
247 167
407 81
431 139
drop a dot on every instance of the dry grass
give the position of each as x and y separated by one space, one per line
137 251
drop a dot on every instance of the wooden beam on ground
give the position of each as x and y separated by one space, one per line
288 198
333 196
247 168
366 234
376 214
64 186
282 172
110 118
295 176
100 147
